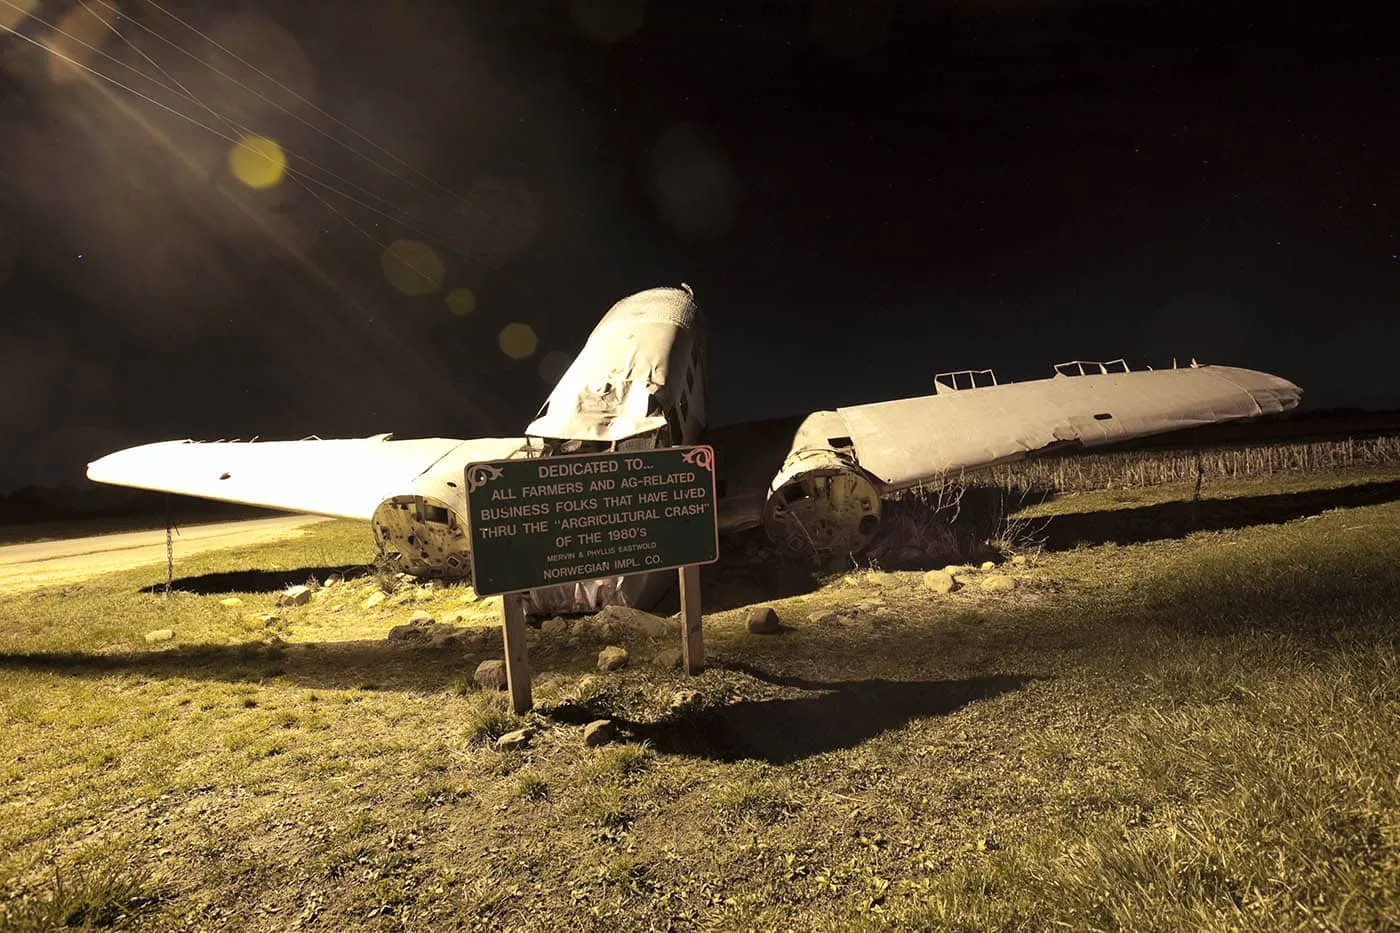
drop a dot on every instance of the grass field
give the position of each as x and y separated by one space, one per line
1159 727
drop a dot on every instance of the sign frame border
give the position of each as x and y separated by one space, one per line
704 459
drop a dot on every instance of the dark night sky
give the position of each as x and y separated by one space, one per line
862 195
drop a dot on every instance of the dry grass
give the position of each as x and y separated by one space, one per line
1195 731
1152 468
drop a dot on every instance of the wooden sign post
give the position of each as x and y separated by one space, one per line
692 634
553 520
517 654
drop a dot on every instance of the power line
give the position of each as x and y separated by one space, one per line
407 220
255 69
320 274
232 123
295 173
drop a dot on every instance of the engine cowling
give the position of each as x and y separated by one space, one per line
821 506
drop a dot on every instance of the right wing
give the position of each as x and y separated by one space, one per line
815 482
342 478
904 442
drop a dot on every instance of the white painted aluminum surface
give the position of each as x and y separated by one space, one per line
907 441
344 478
605 393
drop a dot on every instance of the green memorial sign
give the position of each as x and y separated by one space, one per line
564 519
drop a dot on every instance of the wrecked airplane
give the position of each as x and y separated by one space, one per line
814 482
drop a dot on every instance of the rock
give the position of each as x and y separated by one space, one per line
940 581
998 583
260 621
408 632
612 658
987 565
881 578
595 627
373 600
491 675
1019 560
763 620
954 570
684 700
599 732
231 602
668 659
624 619
823 617
514 741
554 628
442 635
421 617
160 634
332 580
295 596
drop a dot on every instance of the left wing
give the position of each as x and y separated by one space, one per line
345 478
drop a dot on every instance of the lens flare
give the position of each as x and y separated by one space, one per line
413 268
257 161
517 340
461 301
553 366
694 188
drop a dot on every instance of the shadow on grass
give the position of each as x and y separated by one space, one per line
826 717
346 665
1178 519
254 581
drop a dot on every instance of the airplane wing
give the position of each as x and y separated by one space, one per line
906 441
346 478
815 482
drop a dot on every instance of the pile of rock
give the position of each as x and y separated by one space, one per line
616 623
423 629
987 577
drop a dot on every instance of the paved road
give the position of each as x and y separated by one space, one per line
25 566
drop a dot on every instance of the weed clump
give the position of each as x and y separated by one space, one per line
98 895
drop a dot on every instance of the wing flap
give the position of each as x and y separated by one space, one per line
906 441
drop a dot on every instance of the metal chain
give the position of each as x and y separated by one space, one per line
169 549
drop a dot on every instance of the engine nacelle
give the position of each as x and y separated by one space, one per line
422 536
821 505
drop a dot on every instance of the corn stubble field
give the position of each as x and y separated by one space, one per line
1183 716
